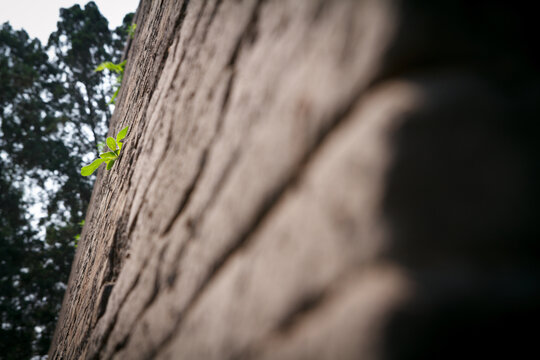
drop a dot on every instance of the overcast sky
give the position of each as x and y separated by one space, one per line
39 17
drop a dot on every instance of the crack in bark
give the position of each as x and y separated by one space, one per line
177 28
210 20
226 99
153 296
103 300
224 109
248 32
169 135
185 200
231 164
109 327
187 194
188 42
265 208
203 161
193 224
305 307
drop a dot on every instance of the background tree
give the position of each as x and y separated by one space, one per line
53 112
18 247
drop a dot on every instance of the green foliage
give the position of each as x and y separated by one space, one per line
115 94
116 68
121 135
111 155
110 164
89 169
115 145
111 143
78 236
53 109
131 30
113 68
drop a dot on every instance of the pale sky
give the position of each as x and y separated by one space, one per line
39 17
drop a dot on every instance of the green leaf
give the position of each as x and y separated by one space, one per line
111 155
131 30
116 68
110 164
113 99
107 65
89 169
120 144
122 134
111 143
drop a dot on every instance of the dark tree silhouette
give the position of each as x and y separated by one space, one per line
53 112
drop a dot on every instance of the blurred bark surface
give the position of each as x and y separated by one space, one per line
314 180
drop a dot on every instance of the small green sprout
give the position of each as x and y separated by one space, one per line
78 236
114 145
131 30
117 69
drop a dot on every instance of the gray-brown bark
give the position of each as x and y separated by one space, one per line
306 179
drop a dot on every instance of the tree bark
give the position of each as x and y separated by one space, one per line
313 180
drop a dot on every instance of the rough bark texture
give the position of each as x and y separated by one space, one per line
314 180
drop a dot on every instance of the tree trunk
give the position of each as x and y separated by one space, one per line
313 180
